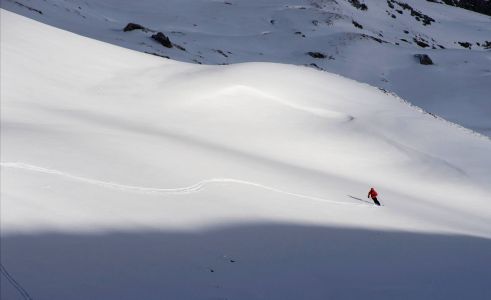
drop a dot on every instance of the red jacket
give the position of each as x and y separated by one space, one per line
372 193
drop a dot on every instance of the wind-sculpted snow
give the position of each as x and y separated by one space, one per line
378 45
251 94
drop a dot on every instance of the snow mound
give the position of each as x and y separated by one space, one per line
376 45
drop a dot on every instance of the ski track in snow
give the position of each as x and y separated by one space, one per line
182 190
22 291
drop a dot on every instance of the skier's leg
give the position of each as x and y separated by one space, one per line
375 200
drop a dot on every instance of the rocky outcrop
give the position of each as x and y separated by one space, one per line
480 6
134 26
424 59
162 39
357 4
419 16
421 42
465 45
357 25
378 40
317 54
156 54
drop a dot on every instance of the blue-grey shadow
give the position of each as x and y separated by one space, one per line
260 261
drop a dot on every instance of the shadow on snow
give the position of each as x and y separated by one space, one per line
261 261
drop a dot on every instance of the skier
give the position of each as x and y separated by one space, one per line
373 193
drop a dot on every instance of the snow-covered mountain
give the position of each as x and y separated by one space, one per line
129 176
480 6
372 41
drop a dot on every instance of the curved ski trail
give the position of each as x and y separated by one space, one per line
180 190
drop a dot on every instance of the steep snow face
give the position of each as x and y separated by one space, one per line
101 113
128 176
480 6
376 45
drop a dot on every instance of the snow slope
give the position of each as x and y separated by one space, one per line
126 176
380 53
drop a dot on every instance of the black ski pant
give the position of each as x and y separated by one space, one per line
375 201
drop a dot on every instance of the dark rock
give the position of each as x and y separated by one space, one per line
432 114
357 25
134 26
156 54
424 59
162 39
221 52
479 6
465 44
317 54
358 5
419 16
179 47
316 66
378 40
421 43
